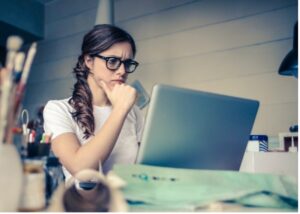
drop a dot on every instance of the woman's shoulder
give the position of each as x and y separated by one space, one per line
62 104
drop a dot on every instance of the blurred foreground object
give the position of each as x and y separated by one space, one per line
11 178
33 194
89 191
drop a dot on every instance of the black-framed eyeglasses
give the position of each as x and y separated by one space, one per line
114 63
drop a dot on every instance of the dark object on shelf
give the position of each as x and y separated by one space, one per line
288 143
38 149
289 65
294 128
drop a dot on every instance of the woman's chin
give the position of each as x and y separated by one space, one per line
111 85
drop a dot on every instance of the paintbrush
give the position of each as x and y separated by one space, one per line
21 86
16 76
28 62
19 61
13 45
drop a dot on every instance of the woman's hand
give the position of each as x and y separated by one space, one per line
121 96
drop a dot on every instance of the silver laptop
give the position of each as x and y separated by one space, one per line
195 129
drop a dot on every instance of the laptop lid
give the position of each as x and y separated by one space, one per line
195 129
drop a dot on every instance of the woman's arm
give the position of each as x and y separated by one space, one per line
76 157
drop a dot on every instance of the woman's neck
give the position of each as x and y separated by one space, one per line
99 97
101 101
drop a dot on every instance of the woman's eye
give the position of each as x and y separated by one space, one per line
113 61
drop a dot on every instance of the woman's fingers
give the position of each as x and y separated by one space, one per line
120 96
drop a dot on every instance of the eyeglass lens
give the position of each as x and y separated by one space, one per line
114 63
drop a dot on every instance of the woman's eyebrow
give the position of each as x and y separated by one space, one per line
113 56
119 57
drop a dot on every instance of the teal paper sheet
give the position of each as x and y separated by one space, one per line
162 188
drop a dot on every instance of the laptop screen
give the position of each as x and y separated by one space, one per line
197 130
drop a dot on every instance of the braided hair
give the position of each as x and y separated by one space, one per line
99 39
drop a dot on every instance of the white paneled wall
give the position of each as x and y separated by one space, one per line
232 47
66 22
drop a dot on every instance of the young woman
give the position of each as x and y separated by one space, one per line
99 125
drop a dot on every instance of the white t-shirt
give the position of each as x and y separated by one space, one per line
58 120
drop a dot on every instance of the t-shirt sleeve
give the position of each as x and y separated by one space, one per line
57 119
139 123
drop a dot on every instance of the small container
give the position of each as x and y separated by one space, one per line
258 143
33 195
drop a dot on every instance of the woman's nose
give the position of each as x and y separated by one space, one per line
121 71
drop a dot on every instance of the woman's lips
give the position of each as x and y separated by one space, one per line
118 81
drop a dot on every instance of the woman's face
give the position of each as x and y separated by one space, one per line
99 71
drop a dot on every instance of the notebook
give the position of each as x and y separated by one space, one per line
195 129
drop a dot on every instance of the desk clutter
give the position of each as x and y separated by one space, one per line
274 155
29 174
286 142
13 79
41 177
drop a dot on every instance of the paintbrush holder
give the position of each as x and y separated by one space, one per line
11 178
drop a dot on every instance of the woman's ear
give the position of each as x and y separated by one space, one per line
89 62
